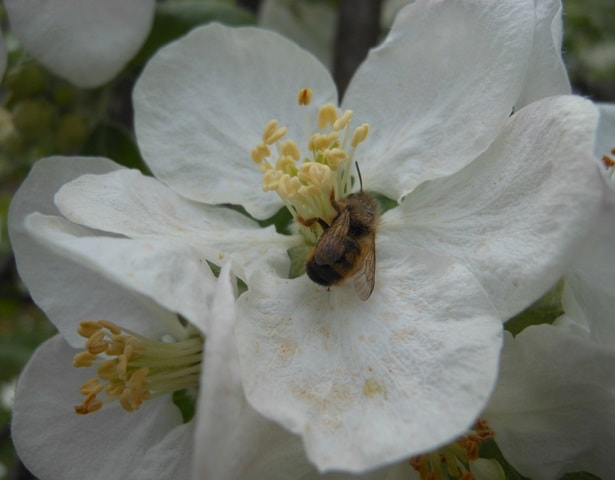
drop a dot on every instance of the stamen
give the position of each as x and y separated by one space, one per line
308 186
609 168
305 96
455 457
132 368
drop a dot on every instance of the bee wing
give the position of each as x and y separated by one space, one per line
330 247
365 278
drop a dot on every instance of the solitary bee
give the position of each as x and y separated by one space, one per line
347 247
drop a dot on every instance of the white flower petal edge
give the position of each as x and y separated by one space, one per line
236 441
605 139
128 203
553 408
439 89
60 287
55 443
517 215
198 114
358 380
85 41
170 273
546 75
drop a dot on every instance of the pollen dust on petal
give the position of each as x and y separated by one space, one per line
288 349
373 387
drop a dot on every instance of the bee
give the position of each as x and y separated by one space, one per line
347 247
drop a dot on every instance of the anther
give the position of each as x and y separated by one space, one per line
343 121
359 135
327 115
305 96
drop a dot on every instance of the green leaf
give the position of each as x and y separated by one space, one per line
174 19
112 141
544 310
490 449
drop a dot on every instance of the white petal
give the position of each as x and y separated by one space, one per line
605 139
62 288
170 274
128 203
85 41
588 289
369 383
236 441
54 442
546 75
553 408
439 89
518 214
202 104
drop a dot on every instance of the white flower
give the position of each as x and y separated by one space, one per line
233 441
493 207
85 41
553 408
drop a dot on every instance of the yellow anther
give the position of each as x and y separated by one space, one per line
96 344
260 152
316 174
88 328
290 148
335 157
89 405
112 327
343 121
276 135
84 359
305 96
107 369
327 115
360 134
271 127
286 164
320 141
271 179
289 186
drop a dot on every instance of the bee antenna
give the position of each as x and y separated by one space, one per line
356 164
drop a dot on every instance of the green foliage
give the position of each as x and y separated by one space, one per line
544 310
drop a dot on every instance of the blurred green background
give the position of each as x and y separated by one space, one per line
42 115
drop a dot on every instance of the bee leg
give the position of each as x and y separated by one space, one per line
310 221
335 205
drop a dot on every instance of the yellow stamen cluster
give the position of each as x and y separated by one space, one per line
307 184
132 368
453 460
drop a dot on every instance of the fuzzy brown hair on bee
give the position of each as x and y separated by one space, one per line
347 247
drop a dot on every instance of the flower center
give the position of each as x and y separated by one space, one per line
453 460
307 183
132 368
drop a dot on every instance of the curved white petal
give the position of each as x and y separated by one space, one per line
85 41
54 442
518 214
171 274
202 104
546 74
439 89
128 203
369 383
236 441
553 409
588 294
605 138
61 287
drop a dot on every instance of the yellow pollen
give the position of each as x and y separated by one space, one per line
307 180
455 458
327 115
359 135
343 121
305 96
132 368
